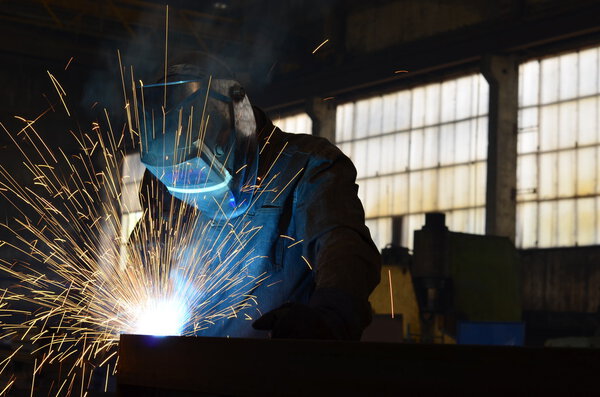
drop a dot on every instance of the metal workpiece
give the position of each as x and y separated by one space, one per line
195 366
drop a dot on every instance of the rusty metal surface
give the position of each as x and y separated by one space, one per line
561 279
190 366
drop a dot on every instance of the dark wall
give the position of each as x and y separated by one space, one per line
561 279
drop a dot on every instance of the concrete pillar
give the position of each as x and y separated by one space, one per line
501 72
322 114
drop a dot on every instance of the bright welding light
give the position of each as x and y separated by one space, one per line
161 318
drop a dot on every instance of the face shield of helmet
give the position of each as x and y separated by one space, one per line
193 144
197 175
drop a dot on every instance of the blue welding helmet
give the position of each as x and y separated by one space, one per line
198 137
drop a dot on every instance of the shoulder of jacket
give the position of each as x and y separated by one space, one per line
312 146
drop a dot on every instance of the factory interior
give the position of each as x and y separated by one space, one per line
474 128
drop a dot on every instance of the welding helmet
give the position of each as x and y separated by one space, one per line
198 137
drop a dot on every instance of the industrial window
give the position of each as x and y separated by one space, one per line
299 123
558 146
420 150
131 210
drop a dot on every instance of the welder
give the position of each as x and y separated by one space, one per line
208 146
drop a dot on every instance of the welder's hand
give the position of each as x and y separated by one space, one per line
298 321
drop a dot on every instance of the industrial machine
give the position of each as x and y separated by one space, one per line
451 279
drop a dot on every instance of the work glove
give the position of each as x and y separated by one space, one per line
298 321
330 314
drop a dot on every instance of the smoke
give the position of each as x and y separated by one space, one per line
252 38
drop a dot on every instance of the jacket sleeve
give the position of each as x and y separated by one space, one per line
337 242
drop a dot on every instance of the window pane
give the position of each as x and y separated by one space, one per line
387 155
418 107
527 176
447 137
386 191
549 80
464 97
403 110
303 125
462 186
547 222
586 221
389 113
416 191
401 192
463 131
416 149
448 105
445 188
480 186
361 119
401 157
430 147
430 190
586 171
548 128
299 123
587 122
566 222
345 122
567 128
588 67
527 221
528 130
432 104
566 173
528 83
375 116
568 76
547 173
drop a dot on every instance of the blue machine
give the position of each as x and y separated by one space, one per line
491 333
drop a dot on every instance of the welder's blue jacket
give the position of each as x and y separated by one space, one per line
313 246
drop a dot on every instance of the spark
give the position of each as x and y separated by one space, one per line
61 92
267 141
296 243
320 45
69 229
307 262
68 63
8 386
275 283
391 292
285 187
33 380
400 71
